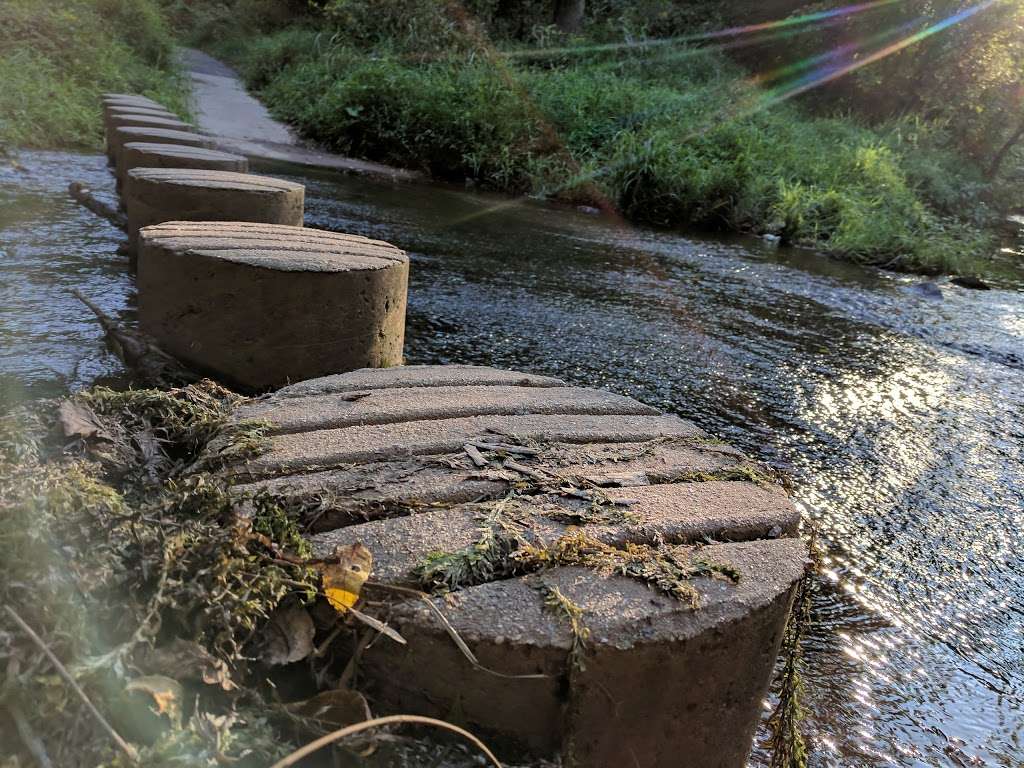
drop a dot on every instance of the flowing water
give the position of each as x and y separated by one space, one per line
896 404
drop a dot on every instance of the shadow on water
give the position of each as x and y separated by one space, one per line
896 405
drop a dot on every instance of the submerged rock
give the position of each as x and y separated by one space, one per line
969 281
927 289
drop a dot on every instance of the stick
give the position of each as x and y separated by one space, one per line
84 197
340 734
138 351
453 633
506 447
350 669
515 466
127 748
475 455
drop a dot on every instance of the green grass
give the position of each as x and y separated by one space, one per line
58 56
680 140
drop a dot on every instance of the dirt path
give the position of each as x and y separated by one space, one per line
225 110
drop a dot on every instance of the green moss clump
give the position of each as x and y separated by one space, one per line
491 557
556 602
178 430
121 546
660 567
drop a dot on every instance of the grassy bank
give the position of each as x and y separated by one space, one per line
675 137
58 56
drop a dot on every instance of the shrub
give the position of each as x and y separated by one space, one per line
673 136
57 58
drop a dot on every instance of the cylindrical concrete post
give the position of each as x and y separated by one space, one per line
115 120
111 109
155 195
122 136
138 154
129 101
259 305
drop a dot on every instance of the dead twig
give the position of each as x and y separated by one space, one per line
515 466
353 663
342 733
139 352
452 632
505 448
475 455
125 747
82 195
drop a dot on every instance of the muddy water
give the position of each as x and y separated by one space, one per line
898 407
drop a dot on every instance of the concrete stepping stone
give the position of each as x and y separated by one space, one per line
423 463
139 154
116 120
156 195
121 136
129 99
119 110
259 305
150 120
416 376
362 492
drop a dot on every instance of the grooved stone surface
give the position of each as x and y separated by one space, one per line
153 119
129 120
259 305
417 403
136 154
129 99
426 461
117 138
416 376
115 114
156 195
115 109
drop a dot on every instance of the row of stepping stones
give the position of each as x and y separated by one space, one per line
229 279
614 583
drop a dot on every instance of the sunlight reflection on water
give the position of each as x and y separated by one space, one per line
898 413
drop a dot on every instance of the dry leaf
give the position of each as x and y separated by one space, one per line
166 694
334 708
79 421
186 660
289 636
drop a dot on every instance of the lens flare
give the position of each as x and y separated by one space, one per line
825 68
790 21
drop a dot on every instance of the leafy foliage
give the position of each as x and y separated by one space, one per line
121 550
670 136
56 58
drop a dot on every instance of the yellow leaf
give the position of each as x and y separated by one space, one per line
165 692
344 580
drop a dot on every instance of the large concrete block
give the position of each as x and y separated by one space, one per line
139 154
156 195
118 119
121 136
109 110
422 462
129 100
261 305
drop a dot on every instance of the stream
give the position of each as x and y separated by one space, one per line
896 404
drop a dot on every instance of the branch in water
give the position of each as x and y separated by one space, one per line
84 197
